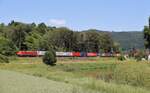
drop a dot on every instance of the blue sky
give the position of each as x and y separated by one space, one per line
112 15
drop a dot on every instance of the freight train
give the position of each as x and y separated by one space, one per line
58 54
65 54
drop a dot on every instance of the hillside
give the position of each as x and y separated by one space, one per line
129 40
126 39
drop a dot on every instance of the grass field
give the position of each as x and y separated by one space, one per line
13 82
97 75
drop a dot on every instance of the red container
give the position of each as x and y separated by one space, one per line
92 54
76 54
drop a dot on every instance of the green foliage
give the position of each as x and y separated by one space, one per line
93 41
33 41
139 55
7 48
60 39
18 33
146 32
42 28
116 47
3 59
50 58
42 37
121 58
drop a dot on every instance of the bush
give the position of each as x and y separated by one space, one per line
121 58
50 58
3 59
139 55
136 74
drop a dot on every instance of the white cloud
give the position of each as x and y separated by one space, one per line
57 22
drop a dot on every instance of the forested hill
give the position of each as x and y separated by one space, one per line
22 36
126 39
129 39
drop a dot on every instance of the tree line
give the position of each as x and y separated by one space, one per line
146 32
16 36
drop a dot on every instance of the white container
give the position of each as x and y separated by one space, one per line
41 53
64 54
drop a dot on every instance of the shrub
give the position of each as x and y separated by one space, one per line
139 55
121 58
50 58
4 59
136 74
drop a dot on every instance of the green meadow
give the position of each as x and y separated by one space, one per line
75 75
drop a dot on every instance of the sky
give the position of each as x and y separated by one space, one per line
107 15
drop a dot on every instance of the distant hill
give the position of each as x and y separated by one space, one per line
129 40
126 39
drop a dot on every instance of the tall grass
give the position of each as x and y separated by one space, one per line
136 74
102 86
